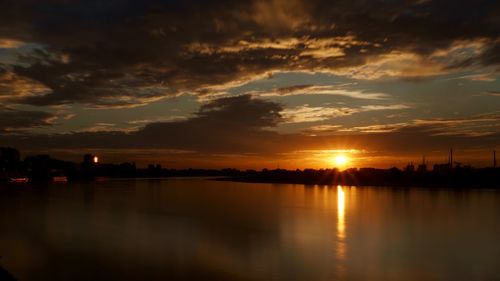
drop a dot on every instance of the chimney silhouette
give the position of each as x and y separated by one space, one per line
451 158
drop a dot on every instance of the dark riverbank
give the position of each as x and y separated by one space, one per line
460 177
5 275
44 169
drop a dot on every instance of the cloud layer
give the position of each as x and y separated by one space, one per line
65 60
240 126
118 53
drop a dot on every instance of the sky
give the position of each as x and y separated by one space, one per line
252 83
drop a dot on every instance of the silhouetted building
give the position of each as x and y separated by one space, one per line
38 167
43 168
410 168
154 170
89 159
441 167
450 159
89 166
9 158
10 164
422 168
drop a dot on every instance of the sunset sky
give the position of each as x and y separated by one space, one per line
251 84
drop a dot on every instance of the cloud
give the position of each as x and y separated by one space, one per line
344 90
482 77
472 126
13 120
408 64
368 129
334 90
240 131
131 53
493 93
157 120
6 43
384 107
308 113
98 88
101 127
477 125
491 55
229 124
394 64
14 88
279 14
382 128
123 54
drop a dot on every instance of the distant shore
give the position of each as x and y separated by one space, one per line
457 177
45 169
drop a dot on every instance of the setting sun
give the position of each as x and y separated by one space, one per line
340 160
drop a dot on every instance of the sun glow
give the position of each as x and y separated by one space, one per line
340 160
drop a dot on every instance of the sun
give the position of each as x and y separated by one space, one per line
340 160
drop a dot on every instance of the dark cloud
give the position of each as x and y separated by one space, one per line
293 89
12 120
237 124
126 53
492 55
240 126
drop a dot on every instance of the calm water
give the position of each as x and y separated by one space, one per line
193 229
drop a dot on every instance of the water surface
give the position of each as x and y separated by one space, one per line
195 229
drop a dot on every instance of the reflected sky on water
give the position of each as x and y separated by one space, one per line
192 229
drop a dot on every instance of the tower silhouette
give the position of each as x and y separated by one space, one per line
451 158
422 167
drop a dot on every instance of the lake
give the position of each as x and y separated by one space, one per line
199 229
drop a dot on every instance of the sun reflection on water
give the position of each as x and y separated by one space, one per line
341 235
340 213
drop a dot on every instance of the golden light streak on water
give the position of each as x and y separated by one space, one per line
341 235
340 213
